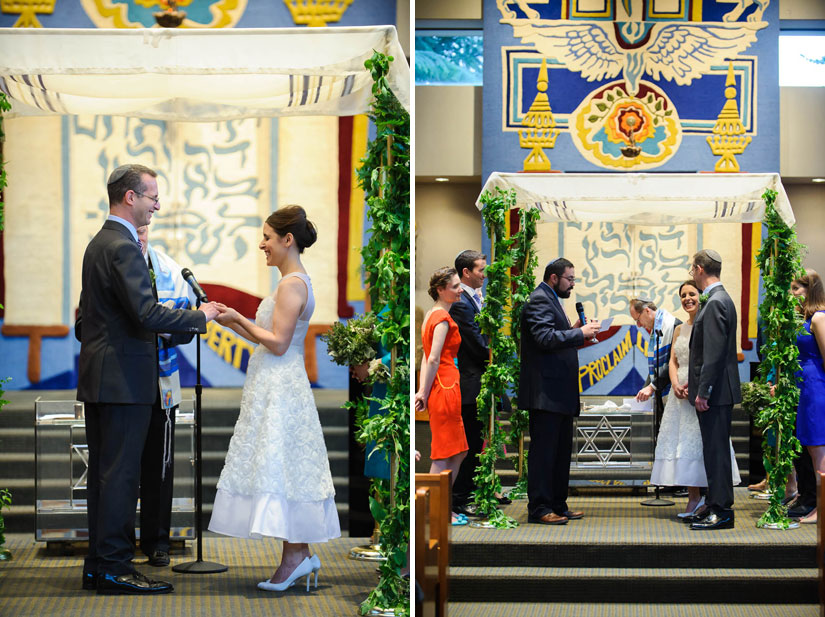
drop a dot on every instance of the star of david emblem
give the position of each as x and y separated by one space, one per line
590 433
82 450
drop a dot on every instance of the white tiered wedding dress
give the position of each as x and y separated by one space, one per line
679 460
276 480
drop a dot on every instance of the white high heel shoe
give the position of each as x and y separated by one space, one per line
305 568
695 510
316 565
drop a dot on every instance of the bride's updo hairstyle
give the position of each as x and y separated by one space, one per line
293 220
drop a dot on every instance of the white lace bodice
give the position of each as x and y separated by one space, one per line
681 347
263 316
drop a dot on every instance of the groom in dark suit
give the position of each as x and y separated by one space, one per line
549 389
118 376
713 387
473 357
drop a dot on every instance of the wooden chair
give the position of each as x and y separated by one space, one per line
820 541
433 494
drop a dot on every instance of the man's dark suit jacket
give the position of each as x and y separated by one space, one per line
714 373
549 358
120 316
473 354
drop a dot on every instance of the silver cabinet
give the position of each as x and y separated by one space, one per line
61 465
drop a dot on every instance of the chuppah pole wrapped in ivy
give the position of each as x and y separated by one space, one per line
384 175
780 261
5 495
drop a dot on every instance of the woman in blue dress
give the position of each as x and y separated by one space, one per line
810 415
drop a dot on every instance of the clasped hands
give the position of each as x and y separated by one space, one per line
221 313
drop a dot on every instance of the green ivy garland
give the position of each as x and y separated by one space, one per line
526 261
501 372
5 495
780 261
384 175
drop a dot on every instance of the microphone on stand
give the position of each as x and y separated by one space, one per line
580 311
200 294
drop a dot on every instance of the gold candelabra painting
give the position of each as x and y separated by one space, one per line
315 13
728 137
28 10
540 131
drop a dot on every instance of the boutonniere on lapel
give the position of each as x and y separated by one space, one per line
152 276
703 300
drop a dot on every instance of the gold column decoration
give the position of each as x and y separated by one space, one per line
28 10
540 132
728 133
316 12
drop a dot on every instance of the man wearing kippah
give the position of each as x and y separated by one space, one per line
660 323
713 387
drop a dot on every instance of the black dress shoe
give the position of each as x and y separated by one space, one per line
468 509
132 583
715 520
800 510
159 559
504 500
89 580
695 518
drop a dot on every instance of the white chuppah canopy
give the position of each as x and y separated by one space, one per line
645 199
197 75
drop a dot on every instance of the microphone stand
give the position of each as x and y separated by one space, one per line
199 566
657 404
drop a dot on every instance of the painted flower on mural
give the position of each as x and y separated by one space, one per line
629 122
617 130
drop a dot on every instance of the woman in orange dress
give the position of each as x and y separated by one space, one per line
439 390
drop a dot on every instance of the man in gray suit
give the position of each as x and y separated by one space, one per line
713 387
118 376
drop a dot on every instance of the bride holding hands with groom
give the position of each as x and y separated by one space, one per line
276 480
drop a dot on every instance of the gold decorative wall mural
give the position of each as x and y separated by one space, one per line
630 78
139 13
316 13
540 131
729 136
28 9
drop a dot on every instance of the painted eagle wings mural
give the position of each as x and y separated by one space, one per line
671 50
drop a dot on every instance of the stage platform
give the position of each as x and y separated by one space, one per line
38 582
624 553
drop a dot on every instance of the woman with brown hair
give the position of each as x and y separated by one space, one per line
276 480
810 415
438 390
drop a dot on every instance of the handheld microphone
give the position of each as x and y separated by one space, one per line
200 294
580 312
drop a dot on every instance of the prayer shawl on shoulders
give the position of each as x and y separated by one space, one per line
173 293
664 322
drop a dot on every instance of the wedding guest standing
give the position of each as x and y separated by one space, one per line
439 390
810 415
473 357
713 387
549 389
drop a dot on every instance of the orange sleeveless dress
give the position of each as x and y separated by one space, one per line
444 402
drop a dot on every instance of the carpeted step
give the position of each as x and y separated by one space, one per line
580 609
618 585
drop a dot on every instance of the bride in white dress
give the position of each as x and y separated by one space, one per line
276 480
679 460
